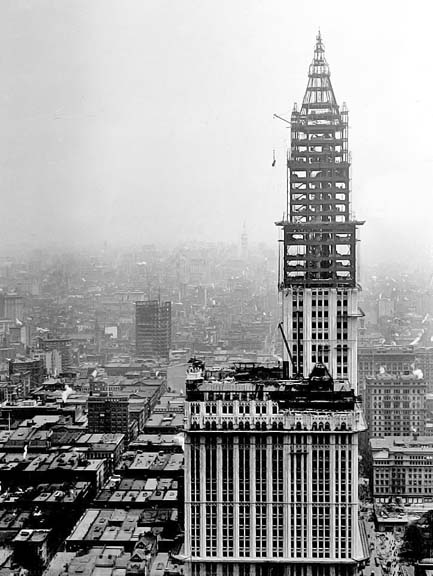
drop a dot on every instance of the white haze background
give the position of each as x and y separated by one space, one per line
151 121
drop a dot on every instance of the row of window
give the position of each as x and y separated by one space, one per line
252 569
396 391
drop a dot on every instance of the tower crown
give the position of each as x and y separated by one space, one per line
319 93
319 234
319 58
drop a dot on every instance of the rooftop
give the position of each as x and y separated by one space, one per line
407 444
103 561
63 493
150 441
120 526
380 350
248 381
29 535
151 462
44 462
165 420
101 440
394 378
142 492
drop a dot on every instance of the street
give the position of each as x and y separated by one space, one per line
384 552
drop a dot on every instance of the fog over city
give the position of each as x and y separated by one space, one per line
216 288
137 122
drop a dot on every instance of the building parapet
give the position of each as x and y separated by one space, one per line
266 416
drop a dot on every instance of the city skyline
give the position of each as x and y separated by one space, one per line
216 340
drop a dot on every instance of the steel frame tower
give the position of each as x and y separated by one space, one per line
153 328
271 456
319 288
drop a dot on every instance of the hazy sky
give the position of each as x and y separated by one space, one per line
147 121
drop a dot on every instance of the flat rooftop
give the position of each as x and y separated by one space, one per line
120 526
165 420
151 462
43 462
64 493
143 492
30 535
160 441
394 378
405 444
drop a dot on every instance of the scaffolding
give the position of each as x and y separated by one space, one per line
319 232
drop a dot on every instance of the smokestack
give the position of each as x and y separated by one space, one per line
180 439
66 392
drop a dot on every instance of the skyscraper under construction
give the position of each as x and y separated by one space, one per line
153 329
271 456
319 287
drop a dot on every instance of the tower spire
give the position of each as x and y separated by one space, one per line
319 88
320 49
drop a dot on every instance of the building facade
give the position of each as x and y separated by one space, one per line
394 360
403 468
34 366
424 361
153 329
271 477
108 413
63 347
11 306
271 456
395 405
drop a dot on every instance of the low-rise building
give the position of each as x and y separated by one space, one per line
151 464
164 423
10 412
108 414
140 493
26 469
123 411
117 527
107 446
108 560
160 442
73 494
31 548
403 469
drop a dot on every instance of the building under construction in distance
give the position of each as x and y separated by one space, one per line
153 329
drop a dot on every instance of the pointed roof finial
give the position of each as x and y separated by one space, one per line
319 51
319 43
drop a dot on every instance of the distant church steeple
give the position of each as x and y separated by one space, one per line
244 243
